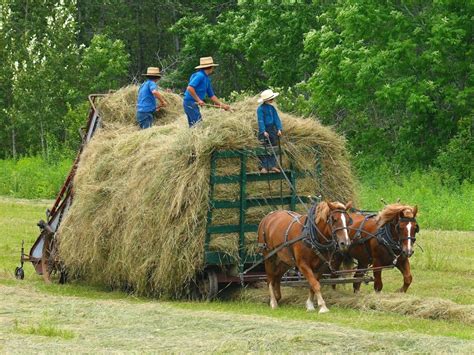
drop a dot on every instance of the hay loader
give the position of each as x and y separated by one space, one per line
43 253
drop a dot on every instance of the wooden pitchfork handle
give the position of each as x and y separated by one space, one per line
214 105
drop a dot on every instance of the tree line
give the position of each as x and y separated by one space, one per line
396 77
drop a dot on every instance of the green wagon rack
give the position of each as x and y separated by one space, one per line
222 268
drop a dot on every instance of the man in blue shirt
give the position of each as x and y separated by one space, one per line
269 129
198 88
147 95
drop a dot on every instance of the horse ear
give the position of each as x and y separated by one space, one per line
349 205
415 210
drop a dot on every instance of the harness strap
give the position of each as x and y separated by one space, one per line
294 220
384 237
358 235
287 243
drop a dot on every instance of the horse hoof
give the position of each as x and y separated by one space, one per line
323 309
309 306
274 305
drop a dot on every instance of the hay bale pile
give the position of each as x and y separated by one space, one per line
139 215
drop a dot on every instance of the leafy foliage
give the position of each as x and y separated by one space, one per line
395 77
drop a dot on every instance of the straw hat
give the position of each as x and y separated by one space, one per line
267 95
206 62
152 71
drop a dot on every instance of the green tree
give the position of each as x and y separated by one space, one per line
397 71
103 66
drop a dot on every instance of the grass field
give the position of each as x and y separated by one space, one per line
82 318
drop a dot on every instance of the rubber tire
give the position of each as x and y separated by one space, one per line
205 287
19 273
45 262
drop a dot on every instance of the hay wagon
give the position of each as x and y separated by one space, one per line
220 268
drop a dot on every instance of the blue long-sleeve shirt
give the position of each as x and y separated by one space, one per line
267 115
201 83
146 101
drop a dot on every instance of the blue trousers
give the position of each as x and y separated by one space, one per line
191 108
145 119
269 161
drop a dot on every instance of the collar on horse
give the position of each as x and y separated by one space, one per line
312 233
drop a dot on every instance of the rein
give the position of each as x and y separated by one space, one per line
308 210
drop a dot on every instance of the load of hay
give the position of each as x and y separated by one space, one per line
138 219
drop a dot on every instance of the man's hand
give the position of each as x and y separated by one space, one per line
163 104
201 103
266 134
279 133
225 107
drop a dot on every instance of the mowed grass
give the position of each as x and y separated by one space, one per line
86 318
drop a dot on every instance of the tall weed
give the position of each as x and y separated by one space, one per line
440 206
32 177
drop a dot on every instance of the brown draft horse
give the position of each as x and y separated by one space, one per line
382 240
309 246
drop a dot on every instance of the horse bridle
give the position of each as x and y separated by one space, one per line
330 222
385 237
398 229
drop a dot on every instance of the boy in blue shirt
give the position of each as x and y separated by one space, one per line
199 86
269 129
147 95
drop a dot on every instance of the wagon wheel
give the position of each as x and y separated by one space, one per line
47 262
19 273
205 287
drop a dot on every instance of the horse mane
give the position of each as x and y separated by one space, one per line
324 208
390 212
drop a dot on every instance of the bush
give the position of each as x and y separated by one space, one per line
33 177
456 160
440 206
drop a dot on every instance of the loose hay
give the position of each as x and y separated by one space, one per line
120 107
141 196
400 303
